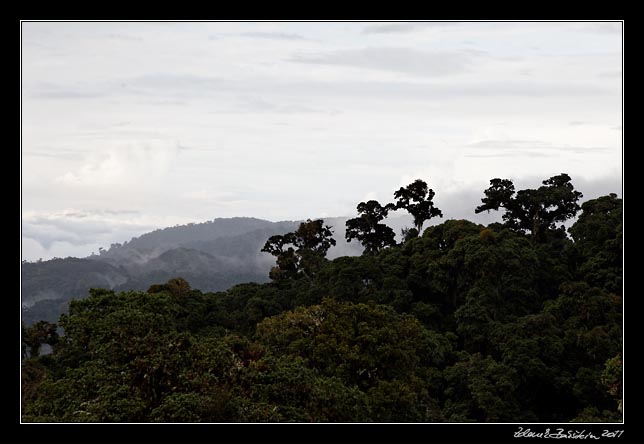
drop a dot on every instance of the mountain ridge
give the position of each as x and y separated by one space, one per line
212 255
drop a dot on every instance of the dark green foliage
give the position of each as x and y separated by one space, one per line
305 250
212 256
534 210
177 287
408 234
48 286
368 230
417 199
612 380
598 242
463 323
481 389
36 335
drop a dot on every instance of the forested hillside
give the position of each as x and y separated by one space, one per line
458 322
213 256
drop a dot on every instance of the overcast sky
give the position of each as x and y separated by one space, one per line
128 127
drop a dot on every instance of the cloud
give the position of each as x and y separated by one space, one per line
371 195
47 232
510 154
405 60
125 37
52 153
391 28
526 146
78 231
404 90
157 85
273 35
72 226
218 198
610 74
255 103
49 90
593 188
476 27
240 89
124 165
176 81
257 92
405 27
599 27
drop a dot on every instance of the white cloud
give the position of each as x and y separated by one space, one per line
124 165
274 35
405 60
371 195
78 232
389 28
191 121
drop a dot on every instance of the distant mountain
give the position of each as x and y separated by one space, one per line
211 256
48 286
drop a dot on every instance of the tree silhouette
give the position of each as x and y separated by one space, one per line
367 227
535 210
300 252
408 233
417 199
598 236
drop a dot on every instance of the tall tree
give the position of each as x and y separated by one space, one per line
535 210
300 252
367 228
598 236
38 334
417 199
600 222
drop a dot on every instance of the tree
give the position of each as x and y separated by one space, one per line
286 266
367 228
535 210
599 243
612 379
38 334
417 199
313 236
369 347
481 389
408 234
599 223
177 287
300 252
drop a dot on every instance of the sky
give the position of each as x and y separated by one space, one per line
132 126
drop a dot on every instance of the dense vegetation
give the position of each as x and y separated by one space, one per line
212 256
512 322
